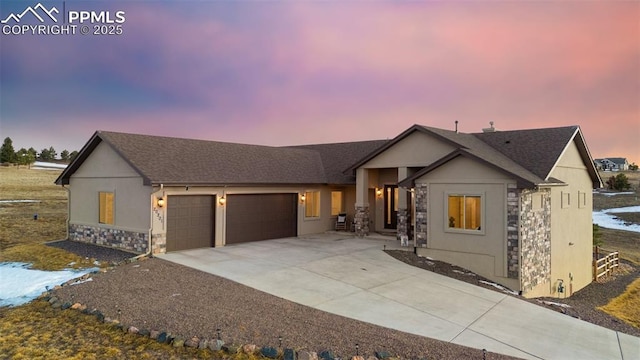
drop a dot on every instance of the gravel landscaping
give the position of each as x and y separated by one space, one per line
154 294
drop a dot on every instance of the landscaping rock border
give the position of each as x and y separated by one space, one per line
181 306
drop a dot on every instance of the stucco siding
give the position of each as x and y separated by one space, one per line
571 223
105 162
106 171
417 149
483 251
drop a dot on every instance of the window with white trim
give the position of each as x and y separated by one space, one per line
464 212
312 204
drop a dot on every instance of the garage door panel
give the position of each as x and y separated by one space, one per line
254 217
190 220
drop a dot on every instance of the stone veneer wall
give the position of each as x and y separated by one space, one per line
115 238
362 220
421 195
535 239
158 243
513 233
403 224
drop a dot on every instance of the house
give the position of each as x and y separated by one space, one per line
156 194
512 206
612 164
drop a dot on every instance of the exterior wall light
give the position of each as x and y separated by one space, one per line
302 198
222 200
378 192
160 202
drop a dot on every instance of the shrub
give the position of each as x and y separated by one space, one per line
618 182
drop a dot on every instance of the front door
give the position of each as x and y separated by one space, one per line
390 206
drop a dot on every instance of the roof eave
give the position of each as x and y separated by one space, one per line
88 147
410 181
394 141
585 154
84 153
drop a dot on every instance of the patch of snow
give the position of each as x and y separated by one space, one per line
18 201
617 193
500 287
463 273
82 281
20 284
606 219
553 303
627 209
43 165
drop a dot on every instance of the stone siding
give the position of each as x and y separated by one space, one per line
421 196
120 239
361 220
513 255
404 222
535 238
159 243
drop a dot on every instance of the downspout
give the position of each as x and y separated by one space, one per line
68 209
150 231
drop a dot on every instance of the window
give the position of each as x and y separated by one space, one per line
336 203
464 212
312 204
106 208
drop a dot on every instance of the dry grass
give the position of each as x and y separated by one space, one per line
627 305
44 257
16 219
38 331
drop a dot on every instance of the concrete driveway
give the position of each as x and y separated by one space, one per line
354 278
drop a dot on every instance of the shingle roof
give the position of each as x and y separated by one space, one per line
528 155
170 160
537 150
475 147
618 160
339 156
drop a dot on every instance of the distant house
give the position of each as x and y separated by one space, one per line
513 206
612 164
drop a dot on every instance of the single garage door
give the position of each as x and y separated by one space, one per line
254 217
189 222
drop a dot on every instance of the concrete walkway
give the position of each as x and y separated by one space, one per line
354 278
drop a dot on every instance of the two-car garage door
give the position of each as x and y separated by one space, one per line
254 217
249 217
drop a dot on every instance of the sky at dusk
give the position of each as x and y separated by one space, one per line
288 72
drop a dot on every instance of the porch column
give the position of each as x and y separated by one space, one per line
404 222
421 196
361 218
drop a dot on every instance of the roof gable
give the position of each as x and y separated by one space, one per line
529 156
351 169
